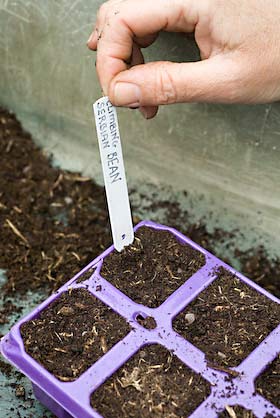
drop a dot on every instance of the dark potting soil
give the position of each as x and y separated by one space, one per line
236 412
40 250
255 263
153 383
153 267
52 222
268 383
231 319
148 322
5 368
72 333
7 309
85 276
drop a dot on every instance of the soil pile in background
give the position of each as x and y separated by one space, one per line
52 222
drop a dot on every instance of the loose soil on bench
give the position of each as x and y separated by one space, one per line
153 383
72 333
153 267
231 319
268 383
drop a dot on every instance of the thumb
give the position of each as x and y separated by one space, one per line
216 79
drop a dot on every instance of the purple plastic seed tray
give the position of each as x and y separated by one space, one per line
72 399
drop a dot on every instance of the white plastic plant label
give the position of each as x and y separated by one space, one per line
109 141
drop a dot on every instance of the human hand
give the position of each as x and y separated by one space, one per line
239 43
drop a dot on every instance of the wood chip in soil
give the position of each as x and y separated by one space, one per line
72 333
268 383
236 412
231 319
153 267
153 383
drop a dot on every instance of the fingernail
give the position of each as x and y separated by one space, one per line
92 37
127 94
144 112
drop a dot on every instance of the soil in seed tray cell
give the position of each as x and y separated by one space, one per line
148 322
72 333
86 275
236 412
153 267
268 383
153 383
230 320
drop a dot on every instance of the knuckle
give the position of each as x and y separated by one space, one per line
110 8
165 86
100 13
103 8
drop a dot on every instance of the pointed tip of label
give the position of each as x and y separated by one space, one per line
109 141
125 242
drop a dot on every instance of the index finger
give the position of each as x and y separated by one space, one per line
134 18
